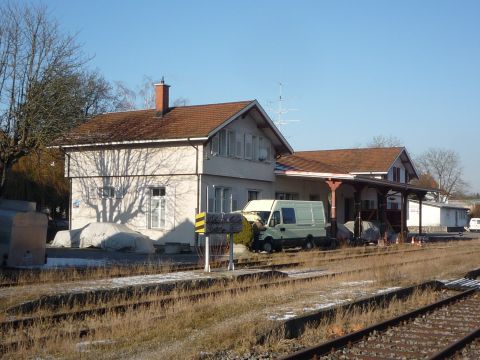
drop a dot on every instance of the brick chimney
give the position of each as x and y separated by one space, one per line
161 97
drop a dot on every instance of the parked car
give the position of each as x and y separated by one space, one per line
474 224
287 223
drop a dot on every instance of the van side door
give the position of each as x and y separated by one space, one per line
288 227
274 226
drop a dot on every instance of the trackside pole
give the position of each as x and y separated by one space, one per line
207 253
231 265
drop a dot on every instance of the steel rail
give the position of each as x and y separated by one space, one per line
263 263
343 341
56 301
4 347
456 346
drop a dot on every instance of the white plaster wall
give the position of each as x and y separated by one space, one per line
135 161
370 194
430 215
436 216
236 167
398 163
304 187
131 204
239 188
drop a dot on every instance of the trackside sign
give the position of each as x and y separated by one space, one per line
218 223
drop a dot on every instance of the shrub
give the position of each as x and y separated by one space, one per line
246 236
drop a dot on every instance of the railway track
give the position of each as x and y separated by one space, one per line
437 331
55 301
271 262
24 323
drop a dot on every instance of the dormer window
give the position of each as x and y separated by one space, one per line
235 144
396 174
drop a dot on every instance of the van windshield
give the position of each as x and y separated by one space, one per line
264 215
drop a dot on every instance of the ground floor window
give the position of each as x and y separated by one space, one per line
222 199
157 208
106 192
253 195
393 206
286 196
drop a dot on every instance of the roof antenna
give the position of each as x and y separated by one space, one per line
163 80
280 111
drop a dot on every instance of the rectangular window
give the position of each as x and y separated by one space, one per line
248 146
393 206
288 215
214 145
157 208
368 204
396 174
222 143
253 195
231 143
222 200
286 196
239 145
269 152
254 148
106 192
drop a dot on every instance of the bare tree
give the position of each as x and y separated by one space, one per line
44 89
385 141
444 167
125 98
147 93
181 102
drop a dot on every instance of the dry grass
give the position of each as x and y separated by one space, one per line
77 274
185 329
345 322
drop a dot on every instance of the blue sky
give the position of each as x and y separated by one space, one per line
352 69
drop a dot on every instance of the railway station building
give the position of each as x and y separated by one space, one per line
154 169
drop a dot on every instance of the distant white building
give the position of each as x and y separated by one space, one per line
437 216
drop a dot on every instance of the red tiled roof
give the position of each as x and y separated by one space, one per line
344 160
298 163
141 125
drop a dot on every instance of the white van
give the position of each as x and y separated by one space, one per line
474 224
287 223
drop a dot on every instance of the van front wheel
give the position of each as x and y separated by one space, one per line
267 246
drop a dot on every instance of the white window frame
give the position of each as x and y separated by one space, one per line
110 194
257 191
214 145
248 146
231 143
281 195
223 143
239 145
225 202
255 148
162 206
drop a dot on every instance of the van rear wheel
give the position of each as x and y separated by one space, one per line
308 244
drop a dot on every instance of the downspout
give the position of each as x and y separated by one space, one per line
197 209
70 188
